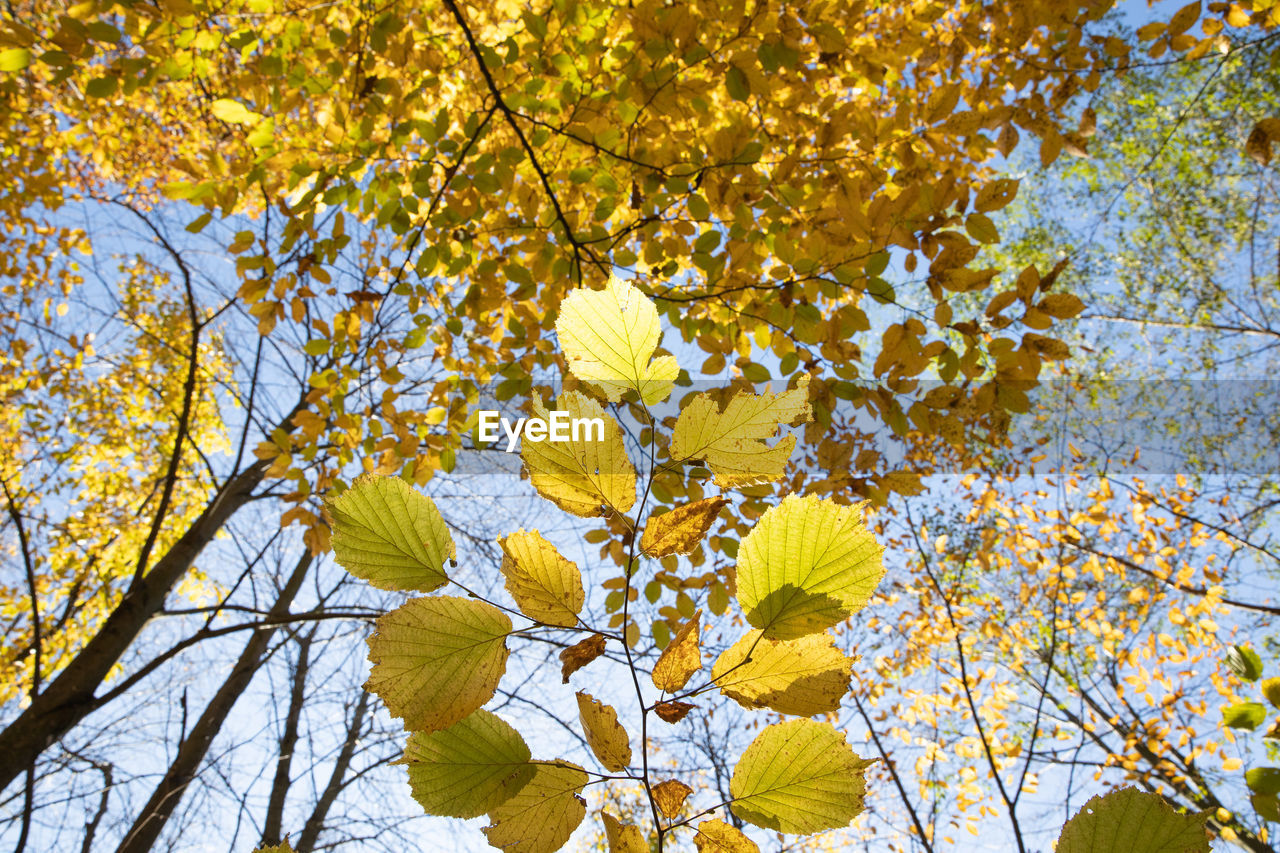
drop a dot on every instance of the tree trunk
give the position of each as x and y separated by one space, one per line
191 754
69 697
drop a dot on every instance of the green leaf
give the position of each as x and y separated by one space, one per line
1245 663
1271 690
389 534
436 660
14 59
799 776
807 565
101 87
1267 806
468 769
1245 715
804 677
609 337
737 83
543 814
731 439
1263 780
197 225
546 586
1133 821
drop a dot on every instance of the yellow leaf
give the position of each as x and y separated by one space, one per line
543 814
585 477
435 660
546 586
623 838
234 112
670 796
808 564
468 769
805 677
680 530
608 337
579 655
716 836
389 534
605 735
1271 690
681 658
799 777
732 439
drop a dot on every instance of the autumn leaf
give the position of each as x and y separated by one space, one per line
234 112
282 847
681 658
585 477
1270 688
716 836
799 777
1245 715
605 735
391 535
623 838
673 712
579 655
805 677
542 815
733 439
680 531
546 586
670 796
807 565
1133 821
471 767
608 337
435 660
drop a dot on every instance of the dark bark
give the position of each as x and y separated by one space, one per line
151 821
69 697
274 823
315 823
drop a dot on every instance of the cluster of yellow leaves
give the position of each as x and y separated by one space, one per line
86 435
437 660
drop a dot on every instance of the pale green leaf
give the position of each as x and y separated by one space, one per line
807 565
609 337
800 776
435 660
468 769
389 534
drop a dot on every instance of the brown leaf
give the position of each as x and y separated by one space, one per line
681 658
670 796
1258 145
579 655
673 712
680 530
